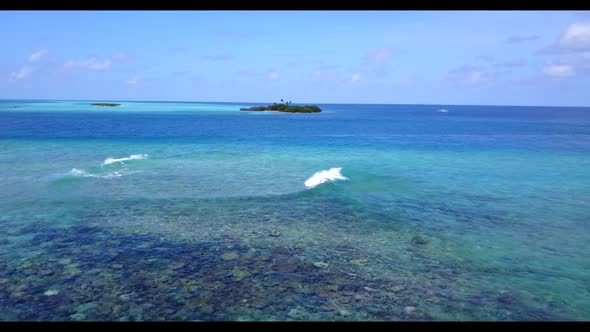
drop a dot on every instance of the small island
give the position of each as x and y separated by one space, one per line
286 107
106 104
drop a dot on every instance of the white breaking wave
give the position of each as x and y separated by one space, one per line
110 175
109 160
333 174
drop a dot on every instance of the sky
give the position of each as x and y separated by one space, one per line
539 58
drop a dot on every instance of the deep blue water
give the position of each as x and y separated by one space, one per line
201 213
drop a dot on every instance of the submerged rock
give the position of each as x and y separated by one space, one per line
409 310
296 313
51 292
207 309
86 308
397 289
286 265
78 316
419 240
433 299
344 312
281 250
321 265
506 299
240 274
177 266
65 261
228 256
359 262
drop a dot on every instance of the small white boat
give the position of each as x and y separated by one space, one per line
444 110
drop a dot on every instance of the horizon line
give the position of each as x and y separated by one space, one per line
255 102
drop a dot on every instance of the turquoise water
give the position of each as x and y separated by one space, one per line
480 213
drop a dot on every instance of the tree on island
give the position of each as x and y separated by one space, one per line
282 102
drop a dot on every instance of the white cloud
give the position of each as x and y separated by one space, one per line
119 56
90 63
559 71
570 64
273 76
23 73
474 77
470 75
355 77
521 39
576 36
37 55
573 48
511 64
134 81
378 56
26 70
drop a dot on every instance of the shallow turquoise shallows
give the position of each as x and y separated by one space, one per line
200 211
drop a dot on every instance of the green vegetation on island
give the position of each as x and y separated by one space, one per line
106 104
286 107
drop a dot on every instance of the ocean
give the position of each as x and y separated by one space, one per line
200 211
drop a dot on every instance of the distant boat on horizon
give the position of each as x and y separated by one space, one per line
443 110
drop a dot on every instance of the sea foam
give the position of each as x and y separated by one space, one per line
109 175
333 174
109 160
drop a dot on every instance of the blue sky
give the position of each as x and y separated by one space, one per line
399 57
